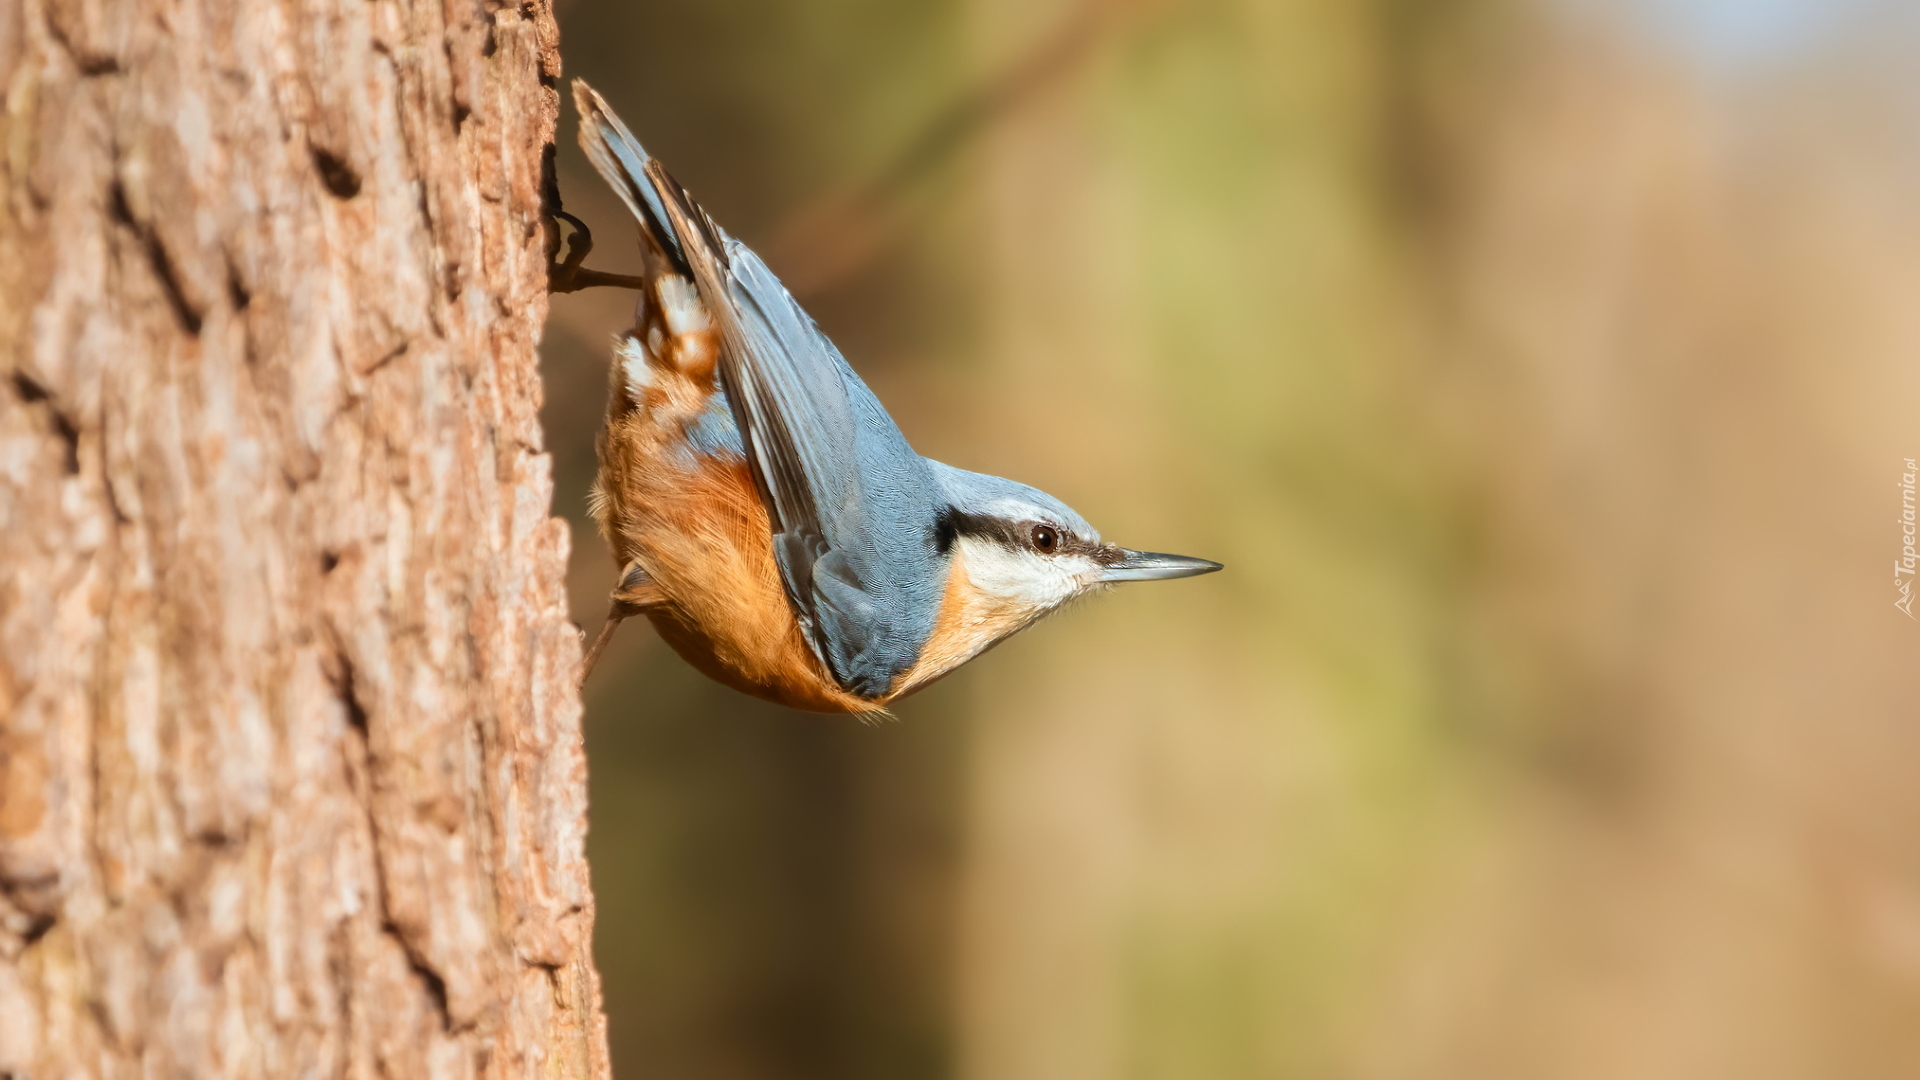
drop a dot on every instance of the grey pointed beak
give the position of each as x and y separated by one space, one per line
1153 566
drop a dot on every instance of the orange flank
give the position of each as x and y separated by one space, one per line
708 545
696 523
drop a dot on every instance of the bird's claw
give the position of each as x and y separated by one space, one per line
569 276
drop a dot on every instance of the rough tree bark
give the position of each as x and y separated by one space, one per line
291 780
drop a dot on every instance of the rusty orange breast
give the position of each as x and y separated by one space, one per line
705 538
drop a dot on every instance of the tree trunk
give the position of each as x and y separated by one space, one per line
291 779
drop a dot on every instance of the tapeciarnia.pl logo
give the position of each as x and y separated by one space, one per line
1903 566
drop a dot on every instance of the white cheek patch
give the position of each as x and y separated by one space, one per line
1028 582
680 303
635 374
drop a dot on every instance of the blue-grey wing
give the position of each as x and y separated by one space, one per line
852 506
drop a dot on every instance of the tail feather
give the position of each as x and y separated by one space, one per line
622 162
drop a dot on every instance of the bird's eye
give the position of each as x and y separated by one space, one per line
1046 539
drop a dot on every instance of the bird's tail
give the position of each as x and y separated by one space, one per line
641 182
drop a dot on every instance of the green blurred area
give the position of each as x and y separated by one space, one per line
1546 400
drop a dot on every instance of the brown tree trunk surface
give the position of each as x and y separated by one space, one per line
291 779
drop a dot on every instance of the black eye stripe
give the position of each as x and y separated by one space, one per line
1014 535
955 522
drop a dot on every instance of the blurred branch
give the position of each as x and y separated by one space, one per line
840 233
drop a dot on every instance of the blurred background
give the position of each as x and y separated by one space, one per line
1542 370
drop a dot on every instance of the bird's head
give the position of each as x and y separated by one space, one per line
1023 552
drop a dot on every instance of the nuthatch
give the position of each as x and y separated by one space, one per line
768 516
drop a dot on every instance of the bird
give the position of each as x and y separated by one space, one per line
766 513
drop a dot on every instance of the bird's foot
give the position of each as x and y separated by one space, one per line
637 593
569 276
